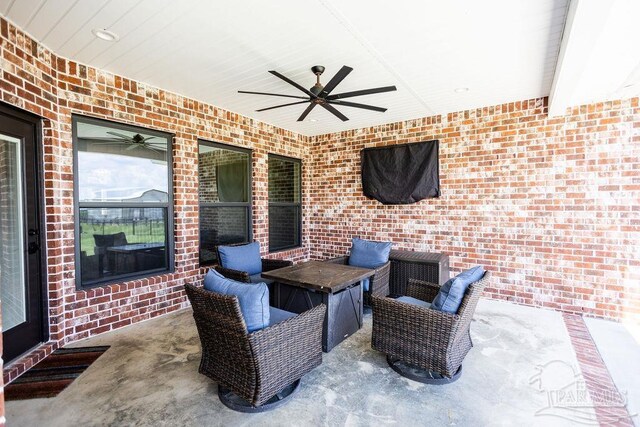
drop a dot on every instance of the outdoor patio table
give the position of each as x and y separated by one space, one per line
303 286
139 254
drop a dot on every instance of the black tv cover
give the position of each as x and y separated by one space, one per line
401 174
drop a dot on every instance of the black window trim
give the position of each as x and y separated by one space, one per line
298 244
170 231
248 204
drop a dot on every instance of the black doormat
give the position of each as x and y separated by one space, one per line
53 374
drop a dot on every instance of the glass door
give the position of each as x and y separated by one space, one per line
12 263
20 262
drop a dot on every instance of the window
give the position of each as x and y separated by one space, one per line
285 208
123 201
225 197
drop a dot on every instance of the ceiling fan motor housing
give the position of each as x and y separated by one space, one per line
317 88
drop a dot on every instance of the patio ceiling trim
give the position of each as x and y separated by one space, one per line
599 58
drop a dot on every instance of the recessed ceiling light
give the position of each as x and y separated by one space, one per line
313 120
105 35
461 89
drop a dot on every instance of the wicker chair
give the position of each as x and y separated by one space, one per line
243 276
379 282
421 343
258 368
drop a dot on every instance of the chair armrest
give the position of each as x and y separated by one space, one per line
237 275
286 351
338 260
397 324
380 280
424 291
273 264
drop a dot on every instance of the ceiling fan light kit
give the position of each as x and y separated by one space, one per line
321 95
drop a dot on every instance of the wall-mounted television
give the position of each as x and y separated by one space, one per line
401 174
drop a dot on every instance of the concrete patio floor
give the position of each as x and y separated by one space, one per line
149 377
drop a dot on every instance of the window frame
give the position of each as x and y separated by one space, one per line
298 244
169 205
248 204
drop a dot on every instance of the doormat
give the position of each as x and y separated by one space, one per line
53 374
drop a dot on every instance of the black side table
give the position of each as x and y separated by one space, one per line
427 266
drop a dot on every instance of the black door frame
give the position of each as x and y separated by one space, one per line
36 122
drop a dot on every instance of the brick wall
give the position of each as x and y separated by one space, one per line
36 80
550 205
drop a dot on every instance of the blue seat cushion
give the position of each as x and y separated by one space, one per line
253 298
368 254
276 315
366 283
451 293
414 301
257 278
241 258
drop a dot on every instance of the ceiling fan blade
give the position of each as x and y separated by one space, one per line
283 105
335 80
154 149
119 135
291 82
272 94
104 140
147 138
356 105
99 138
361 92
335 112
131 147
306 112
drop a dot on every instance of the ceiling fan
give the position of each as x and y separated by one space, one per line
135 141
321 95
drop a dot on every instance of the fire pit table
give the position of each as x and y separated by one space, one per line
303 286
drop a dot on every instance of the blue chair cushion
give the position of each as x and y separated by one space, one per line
451 293
368 254
414 301
366 283
241 258
276 315
253 298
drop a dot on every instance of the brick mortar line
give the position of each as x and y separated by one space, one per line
597 377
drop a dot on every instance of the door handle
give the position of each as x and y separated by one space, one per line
33 248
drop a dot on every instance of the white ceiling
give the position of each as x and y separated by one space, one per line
502 50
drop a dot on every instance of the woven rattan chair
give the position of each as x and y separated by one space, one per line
378 283
254 371
421 343
243 276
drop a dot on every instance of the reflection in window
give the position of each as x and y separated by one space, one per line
225 204
285 209
123 198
